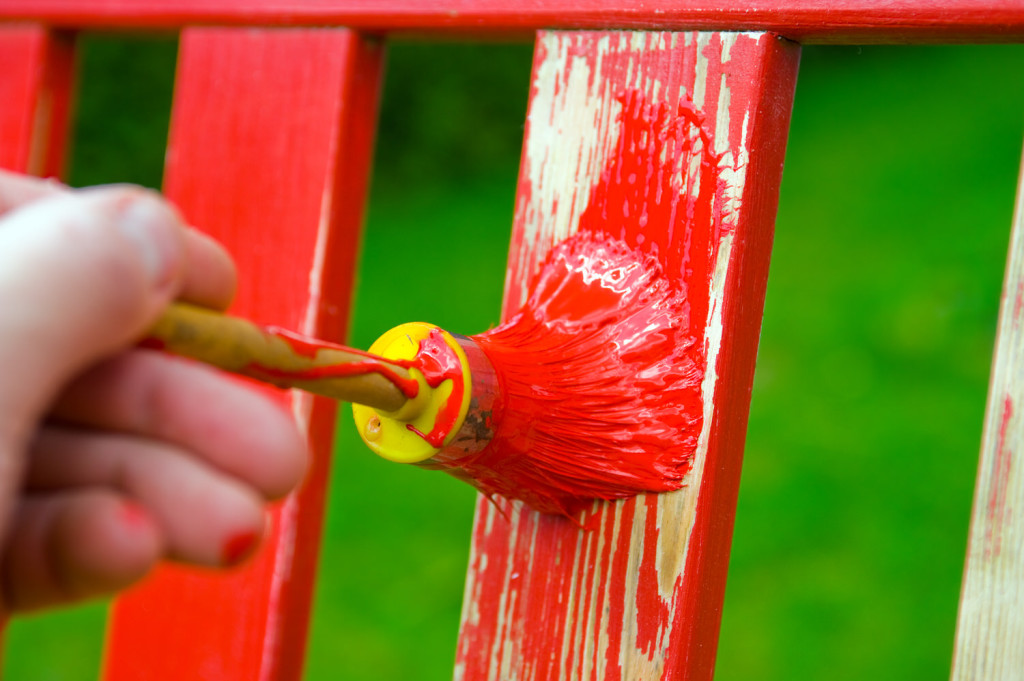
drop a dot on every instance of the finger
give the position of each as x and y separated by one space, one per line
81 275
66 547
160 397
16 190
211 278
205 516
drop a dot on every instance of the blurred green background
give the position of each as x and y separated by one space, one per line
871 378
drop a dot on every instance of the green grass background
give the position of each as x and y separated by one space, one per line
871 378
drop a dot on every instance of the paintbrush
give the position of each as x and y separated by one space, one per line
282 358
590 391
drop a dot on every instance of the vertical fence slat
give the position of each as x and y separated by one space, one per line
35 91
269 151
990 627
639 595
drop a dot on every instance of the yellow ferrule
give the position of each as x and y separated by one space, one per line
389 434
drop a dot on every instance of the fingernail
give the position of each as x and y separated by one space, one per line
154 229
238 547
134 514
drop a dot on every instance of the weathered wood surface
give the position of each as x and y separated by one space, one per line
809 21
673 142
35 87
269 151
990 629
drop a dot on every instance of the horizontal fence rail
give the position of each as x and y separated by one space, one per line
806 21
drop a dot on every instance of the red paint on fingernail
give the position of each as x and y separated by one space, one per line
152 344
134 514
238 547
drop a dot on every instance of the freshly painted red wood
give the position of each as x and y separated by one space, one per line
269 151
35 89
674 143
810 21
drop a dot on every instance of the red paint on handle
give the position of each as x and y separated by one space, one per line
439 363
309 347
435 359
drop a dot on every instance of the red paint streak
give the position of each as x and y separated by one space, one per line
649 197
307 347
238 547
1000 479
652 611
1018 302
407 386
439 363
617 566
554 551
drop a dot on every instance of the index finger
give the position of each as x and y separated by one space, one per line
210 277
17 190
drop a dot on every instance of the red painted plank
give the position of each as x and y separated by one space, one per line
673 142
269 151
35 88
810 21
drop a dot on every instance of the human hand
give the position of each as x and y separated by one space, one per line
111 457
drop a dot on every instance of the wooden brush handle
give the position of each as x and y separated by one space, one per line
275 357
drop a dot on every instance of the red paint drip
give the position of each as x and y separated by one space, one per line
435 359
439 363
601 368
309 347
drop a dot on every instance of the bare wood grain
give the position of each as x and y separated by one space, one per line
990 628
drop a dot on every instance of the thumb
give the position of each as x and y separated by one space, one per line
82 274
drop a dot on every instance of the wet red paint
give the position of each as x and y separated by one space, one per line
134 515
238 547
439 363
435 359
600 378
310 347
600 371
